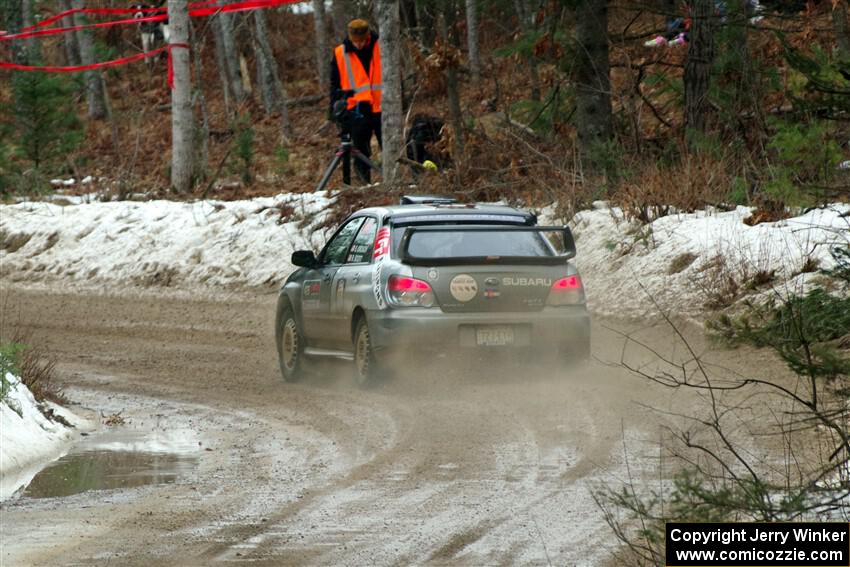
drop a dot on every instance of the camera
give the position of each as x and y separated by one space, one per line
340 109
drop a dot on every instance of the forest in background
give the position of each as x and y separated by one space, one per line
543 101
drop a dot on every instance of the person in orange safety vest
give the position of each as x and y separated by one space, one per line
356 75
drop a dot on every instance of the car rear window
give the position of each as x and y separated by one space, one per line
462 244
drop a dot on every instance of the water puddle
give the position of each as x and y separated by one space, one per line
105 470
117 460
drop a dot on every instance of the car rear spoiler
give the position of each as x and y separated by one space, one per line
407 258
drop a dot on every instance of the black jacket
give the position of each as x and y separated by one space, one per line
365 56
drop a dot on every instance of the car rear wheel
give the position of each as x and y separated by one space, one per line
290 348
367 371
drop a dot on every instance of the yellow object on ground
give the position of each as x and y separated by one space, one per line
430 165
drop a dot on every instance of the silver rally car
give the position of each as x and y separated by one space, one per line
432 275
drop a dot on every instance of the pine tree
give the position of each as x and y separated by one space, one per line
43 123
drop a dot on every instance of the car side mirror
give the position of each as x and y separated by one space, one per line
304 258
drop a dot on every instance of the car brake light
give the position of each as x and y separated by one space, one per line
409 292
566 291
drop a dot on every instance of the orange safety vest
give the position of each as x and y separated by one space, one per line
353 77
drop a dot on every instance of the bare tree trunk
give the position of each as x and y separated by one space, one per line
231 55
425 21
698 67
452 91
33 46
322 52
271 87
221 63
391 111
182 119
408 15
340 21
72 48
94 81
839 22
472 39
525 15
202 137
593 84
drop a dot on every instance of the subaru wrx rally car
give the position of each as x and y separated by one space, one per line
433 275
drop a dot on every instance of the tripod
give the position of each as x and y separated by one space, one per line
344 153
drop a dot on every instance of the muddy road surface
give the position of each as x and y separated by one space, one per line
443 465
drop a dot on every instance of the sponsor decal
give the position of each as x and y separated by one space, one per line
433 274
526 281
312 288
382 250
382 243
492 293
463 287
492 282
376 283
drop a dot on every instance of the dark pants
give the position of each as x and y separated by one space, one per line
363 124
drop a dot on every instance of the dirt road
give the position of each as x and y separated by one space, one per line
440 466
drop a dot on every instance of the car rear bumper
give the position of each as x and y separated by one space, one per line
557 328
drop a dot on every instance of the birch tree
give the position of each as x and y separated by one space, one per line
271 87
391 111
472 39
94 81
322 53
182 120
593 84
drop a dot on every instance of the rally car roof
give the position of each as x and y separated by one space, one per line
472 212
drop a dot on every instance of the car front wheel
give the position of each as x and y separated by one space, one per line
290 348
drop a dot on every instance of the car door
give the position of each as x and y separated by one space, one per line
351 281
318 282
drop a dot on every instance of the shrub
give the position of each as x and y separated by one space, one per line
33 365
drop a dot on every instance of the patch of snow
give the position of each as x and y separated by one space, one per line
672 261
28 440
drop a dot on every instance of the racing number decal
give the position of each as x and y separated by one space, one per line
382 250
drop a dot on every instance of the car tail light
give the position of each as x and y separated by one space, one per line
566 291
409 292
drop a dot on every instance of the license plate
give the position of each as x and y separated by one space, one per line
494 336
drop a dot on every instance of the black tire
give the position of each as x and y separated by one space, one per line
290 346
367 371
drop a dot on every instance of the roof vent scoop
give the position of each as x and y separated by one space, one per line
427 200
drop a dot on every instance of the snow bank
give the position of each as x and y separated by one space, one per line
158 242
682 260
28 440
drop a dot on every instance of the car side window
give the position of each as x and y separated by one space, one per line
364 242
337 248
